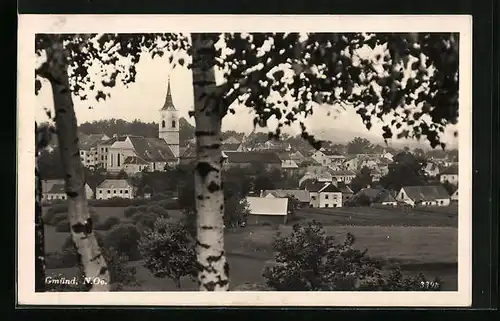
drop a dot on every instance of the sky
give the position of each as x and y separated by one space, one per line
143 99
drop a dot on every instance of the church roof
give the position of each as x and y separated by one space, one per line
152 149
169 103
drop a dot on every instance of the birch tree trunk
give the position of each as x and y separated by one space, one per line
213 267
39 229
89 254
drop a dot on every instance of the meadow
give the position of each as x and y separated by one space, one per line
420 241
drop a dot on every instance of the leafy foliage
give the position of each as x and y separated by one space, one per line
168 251
285 75
120 272
124 238
109 223
405 170
362 179
309 260
320 68
359 146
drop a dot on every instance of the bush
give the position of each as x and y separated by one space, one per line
146 220
159 210
108 223
120 272
309 260
169 204
118 202
124 239
130 211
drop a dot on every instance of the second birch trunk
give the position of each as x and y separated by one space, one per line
213 267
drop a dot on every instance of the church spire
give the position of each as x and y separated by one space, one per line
169 104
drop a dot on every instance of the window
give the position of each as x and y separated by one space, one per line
100 191
81 152
121 191
114 191
63 197
326 205
111 160
313 198
109 192
162 124
102 157
126 191
118 160
326 196
173 123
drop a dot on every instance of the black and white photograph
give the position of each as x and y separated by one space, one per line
296 160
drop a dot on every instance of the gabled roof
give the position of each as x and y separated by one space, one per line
57 189
370 192
386 196
112 140
230 147
451 170
169 104
344 188
426 193
152 149
48 183
302 195
231 140
267 206
329 188
114 183
253 157
134 160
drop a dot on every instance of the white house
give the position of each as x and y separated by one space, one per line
454 196
435 195
449 175
111 188
324 194
321 158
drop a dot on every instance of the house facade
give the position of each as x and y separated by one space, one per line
454 196
111 188
324 195
449 175
435 195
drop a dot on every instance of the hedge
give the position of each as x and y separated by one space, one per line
109 223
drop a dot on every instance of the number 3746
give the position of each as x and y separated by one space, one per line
430 284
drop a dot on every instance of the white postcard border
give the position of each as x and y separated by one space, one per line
29 25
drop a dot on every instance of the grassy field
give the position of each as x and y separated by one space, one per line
379 216
428 244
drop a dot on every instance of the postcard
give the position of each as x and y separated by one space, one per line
275 160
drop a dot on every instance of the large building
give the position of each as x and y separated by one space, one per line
135 154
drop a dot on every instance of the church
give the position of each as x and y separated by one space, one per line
134 154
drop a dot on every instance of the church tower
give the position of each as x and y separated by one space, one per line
169 123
